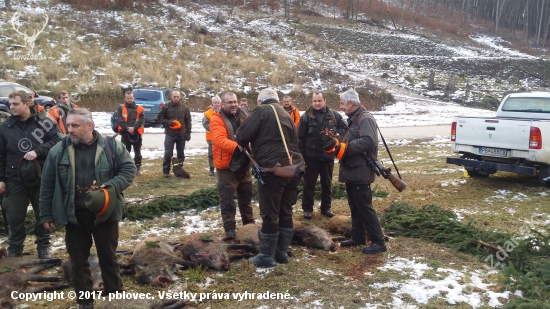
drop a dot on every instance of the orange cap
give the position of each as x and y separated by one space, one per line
176 125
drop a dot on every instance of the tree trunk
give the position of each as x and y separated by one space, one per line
467 12
431 80
497 16
8 5
546 32
539 28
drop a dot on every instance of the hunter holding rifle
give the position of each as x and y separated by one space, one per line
361 137
272 135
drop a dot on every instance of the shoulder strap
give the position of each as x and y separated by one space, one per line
281 131
110 155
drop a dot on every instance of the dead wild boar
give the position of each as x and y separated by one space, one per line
94 269
205 250
15 276
340 225
154 261
314 237
142 304
248 234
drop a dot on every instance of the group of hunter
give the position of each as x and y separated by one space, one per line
73 176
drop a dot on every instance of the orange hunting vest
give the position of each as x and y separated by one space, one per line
57 116
139 110
208 114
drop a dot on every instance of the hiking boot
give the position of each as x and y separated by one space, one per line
307 215
11 255
44 253
230 234
285 238
375 247
349 243
138 169
211 171
268 244
327 213
166 175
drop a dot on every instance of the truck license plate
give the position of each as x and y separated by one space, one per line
146 109
493 152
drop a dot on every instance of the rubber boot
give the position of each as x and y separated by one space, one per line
211 171
285 238
268 244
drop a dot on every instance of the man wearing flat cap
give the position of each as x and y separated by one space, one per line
83 178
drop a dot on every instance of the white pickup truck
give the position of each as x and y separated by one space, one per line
516 140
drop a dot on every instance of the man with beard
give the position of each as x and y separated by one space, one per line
292 111
272 135
25 140
85 161
223 126
318 117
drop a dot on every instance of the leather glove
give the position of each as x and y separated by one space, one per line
187 137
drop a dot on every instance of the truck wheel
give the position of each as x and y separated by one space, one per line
544 175
475 174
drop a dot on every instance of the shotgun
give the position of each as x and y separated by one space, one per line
379 169
256 169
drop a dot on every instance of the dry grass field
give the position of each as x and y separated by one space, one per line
348 278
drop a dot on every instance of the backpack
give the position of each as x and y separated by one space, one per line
114 122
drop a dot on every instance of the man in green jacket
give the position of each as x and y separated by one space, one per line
25 140
74 167
361 137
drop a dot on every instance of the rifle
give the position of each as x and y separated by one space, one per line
379 169
256 169
375 165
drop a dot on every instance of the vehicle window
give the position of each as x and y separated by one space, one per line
145 95
531 105
27 90
5 91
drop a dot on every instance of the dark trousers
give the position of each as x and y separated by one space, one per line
228 183
277 197
210 155
363 216
16 201
169 141
313 170
78 239
4 216
125 139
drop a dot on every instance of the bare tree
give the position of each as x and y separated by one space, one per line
8 5
540 20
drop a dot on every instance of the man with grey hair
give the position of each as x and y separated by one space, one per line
361 137
214 108
25 140
79 164
272 135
